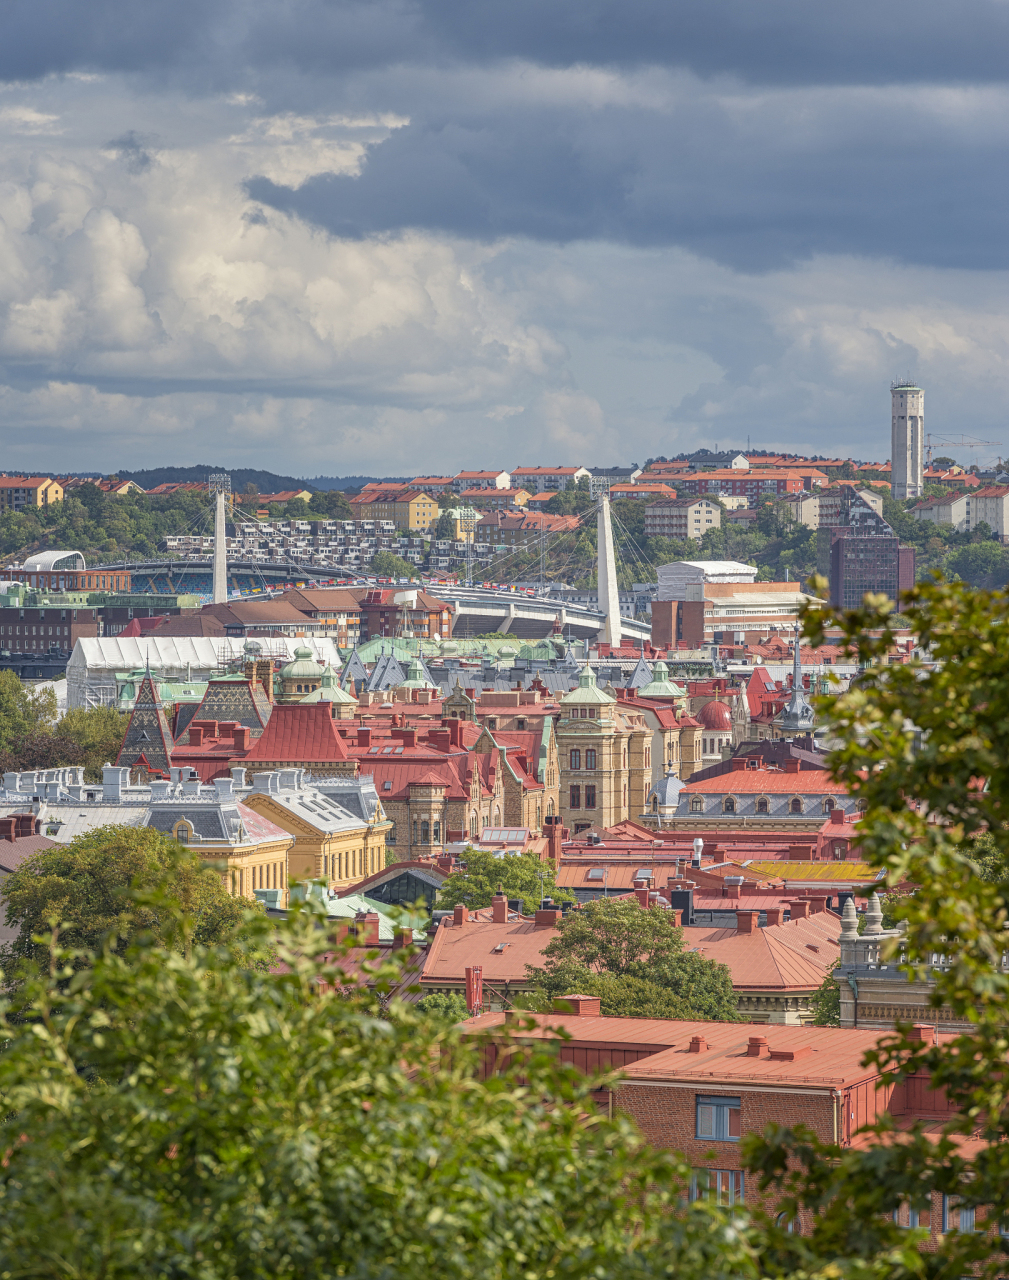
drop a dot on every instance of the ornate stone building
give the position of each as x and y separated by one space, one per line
605 750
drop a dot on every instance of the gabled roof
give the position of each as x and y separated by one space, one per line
147 734
501 950
235 701
299 735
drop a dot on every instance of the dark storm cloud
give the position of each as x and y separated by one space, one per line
776 41
753 184
131 149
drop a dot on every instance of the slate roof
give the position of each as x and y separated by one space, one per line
232 700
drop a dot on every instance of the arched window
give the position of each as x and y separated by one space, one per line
550 808
590 758
182 832
473 827
576 759
696 804
795 805
828 804
497 817
655 804
762 805
728 805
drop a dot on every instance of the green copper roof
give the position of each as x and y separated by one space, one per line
660 686
329 690
303 667
587 692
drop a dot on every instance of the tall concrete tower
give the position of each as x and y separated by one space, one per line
220 491
907 439
606 564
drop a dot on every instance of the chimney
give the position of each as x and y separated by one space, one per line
403 938
817 906
555 839
746 921
922 1033
677 918
366 927
799 908
757 1047
579 1006
242 735
461 914
793 766
774 915
363 737
837 816
195 736
546 918
641 892
732 891
499 907
8 829
409 737
698 1044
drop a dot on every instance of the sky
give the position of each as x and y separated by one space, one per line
325 237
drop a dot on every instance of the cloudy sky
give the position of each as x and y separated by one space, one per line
331 237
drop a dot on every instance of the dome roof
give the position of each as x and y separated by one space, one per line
715 716
329 690
303 666
587 692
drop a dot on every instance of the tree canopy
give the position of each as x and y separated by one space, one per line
89 887
520 875
32 738
633 959
206 1120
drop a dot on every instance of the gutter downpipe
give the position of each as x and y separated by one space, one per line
835 1099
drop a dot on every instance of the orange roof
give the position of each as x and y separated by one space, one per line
501 950
761 781
778 957
833 1060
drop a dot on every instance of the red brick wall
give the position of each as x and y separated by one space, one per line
667 1118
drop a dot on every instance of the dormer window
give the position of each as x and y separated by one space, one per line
828 804
795 805
729 804
696 804
182 832
763 806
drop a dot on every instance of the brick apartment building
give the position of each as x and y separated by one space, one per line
700 1087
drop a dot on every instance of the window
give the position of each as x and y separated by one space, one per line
596 873
590 758
576 759
575 801
696 804
182 832
762 805
728 805
795 806
723 1186
828 804
957 1217
718 1119
590 797
520 724
839 852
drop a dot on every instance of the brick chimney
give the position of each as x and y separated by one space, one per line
793 766
837 816
242 736
8 829
366 925
461 914
499 907
547 918
641 892
757 1047
196 735
409 737
698 1044
364 736
579 1006
731 891
923 1033
799 908
774 915
555 839
403 938
746 921
817 906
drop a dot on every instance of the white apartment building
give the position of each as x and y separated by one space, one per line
952 508
990 506
547 479
804 508
682 518
907 439
481 480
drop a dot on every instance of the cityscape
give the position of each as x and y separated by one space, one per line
464 811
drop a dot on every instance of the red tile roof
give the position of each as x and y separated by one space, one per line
299 734
456 947
834 1059
760 781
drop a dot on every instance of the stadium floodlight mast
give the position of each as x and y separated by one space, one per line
467 526
220 491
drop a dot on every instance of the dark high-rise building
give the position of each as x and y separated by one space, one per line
866 555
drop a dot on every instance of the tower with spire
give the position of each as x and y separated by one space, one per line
797 715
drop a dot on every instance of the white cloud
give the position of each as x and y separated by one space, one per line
24 119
